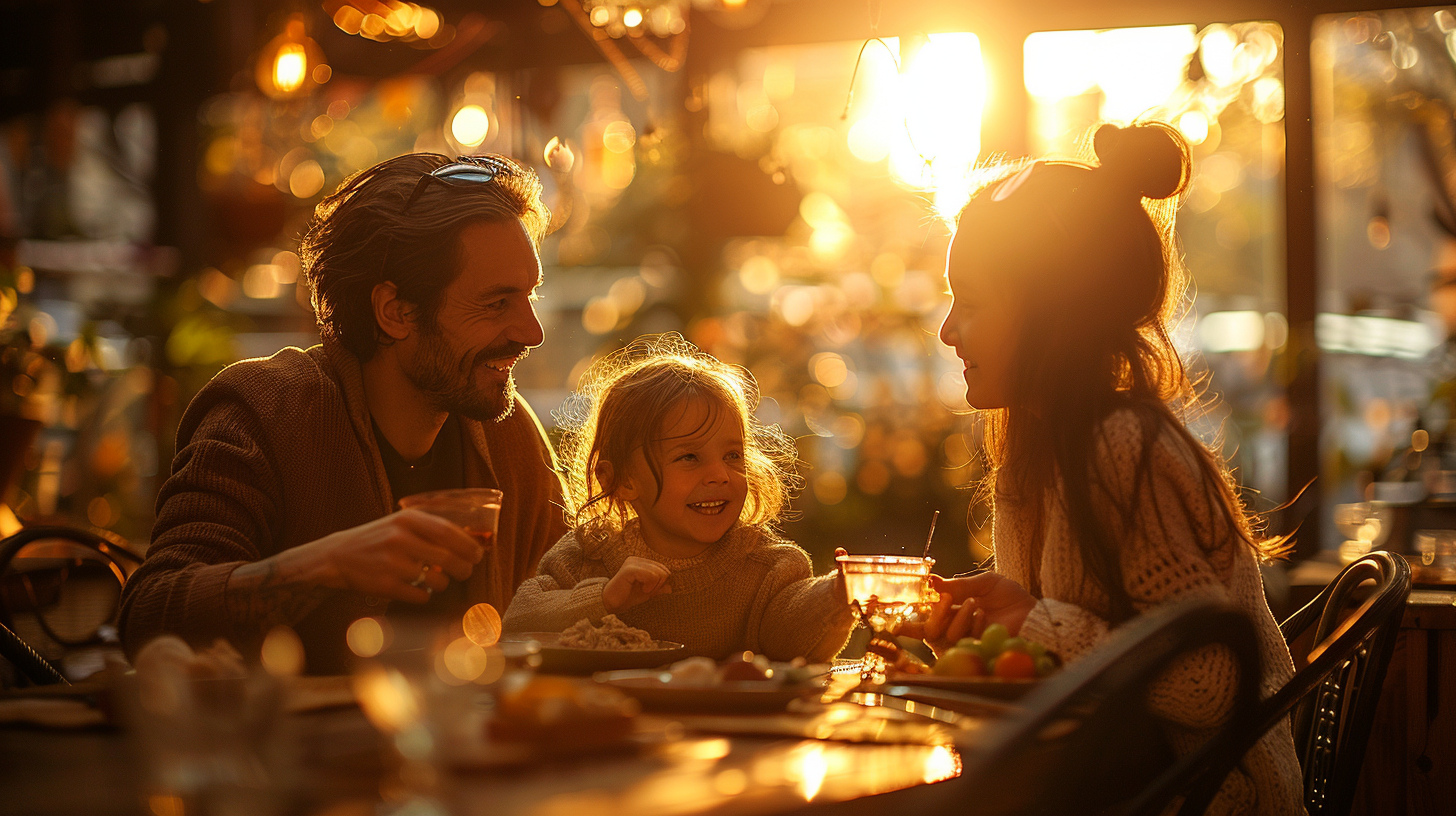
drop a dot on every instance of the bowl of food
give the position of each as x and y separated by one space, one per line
586 647
993 665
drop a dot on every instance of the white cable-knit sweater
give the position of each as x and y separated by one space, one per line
1178 546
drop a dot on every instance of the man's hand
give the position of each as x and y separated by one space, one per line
968 605
388 556
638 580
404 556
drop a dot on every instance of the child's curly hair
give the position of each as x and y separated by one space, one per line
621 406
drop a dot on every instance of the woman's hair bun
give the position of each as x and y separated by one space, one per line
1149 158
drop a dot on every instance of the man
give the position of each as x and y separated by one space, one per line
280 506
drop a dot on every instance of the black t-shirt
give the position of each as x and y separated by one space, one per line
442 468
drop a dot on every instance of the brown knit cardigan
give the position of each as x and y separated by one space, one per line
278 452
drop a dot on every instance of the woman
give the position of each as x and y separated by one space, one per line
1065 278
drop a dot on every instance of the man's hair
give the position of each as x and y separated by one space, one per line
363 235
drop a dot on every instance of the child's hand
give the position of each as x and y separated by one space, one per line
968 605
638 580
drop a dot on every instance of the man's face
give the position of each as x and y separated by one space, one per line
486 322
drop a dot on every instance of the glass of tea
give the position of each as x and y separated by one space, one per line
475 510
886 591
888 586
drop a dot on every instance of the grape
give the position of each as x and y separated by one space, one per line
1044 665
993 639
1015 644
959 662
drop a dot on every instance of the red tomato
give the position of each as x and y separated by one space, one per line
1015 666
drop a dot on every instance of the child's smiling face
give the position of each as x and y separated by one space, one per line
703 485
983 327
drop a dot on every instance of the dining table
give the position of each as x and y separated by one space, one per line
328 757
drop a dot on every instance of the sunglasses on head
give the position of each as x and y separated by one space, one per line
464 170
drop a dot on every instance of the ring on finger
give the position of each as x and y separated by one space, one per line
420 579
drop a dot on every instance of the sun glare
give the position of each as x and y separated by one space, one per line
923 115
1136 69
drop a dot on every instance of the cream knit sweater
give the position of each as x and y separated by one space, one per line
750 592
1177 547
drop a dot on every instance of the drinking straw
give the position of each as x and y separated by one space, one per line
931 535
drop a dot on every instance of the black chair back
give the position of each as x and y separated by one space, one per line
1088 742
60 589
1333 697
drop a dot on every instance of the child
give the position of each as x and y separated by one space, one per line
675 487
1065 278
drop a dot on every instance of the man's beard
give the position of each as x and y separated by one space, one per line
448 379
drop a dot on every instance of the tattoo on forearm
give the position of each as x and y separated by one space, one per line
264 595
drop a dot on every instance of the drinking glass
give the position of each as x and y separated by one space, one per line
214 745
1366 526
475 510
886 591
1437 549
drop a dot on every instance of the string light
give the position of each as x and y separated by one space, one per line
292 64
392 21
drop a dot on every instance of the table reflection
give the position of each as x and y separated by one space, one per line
699 777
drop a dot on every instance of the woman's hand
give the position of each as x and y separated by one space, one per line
968 605
639 580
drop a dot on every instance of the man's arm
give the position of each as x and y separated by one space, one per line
205 575
282 589
215 513
405 556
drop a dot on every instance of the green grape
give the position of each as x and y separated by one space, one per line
1035 649
1044 665
993 639
1015 644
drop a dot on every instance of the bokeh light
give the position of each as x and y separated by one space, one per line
470 125
482 624
282 653
366 637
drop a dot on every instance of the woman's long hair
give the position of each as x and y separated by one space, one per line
1090 253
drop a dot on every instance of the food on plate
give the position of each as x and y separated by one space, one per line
960 663
746 666
611 634
695 671
555 711
996 654
702 672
